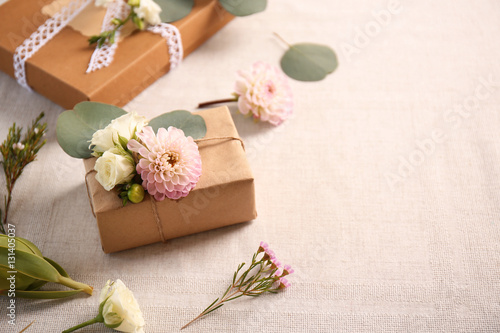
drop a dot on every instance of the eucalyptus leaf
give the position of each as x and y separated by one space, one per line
75 127
308 62
192 125
244 7
173 10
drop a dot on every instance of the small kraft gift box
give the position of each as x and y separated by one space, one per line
224 195
58 68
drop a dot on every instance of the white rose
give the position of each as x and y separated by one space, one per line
113 168
121 306
126 126
103 3
149 11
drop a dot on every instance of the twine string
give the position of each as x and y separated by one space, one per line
88 190
222 138
159 225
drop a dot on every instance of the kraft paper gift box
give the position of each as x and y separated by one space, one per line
57 70
223 196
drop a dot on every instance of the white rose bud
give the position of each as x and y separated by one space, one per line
118 309
114 168
149 11
120 306
124 126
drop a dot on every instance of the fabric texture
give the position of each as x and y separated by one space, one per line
382 191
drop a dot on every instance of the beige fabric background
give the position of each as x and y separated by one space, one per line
382 191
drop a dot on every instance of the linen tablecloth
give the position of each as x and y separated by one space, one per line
382 191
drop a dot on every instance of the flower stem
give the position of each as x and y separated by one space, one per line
236 286
109 36
209 309
2 229
7 203
199 316
218 101
24 329
282 39
75 285
87 323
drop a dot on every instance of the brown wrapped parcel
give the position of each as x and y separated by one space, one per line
57 70
223 196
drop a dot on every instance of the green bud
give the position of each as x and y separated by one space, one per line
123 141
138 22
136 193
134 3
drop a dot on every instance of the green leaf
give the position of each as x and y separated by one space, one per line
173 10
21 244
37 294
113 326
36 285
244 7
57 267
309 62
75 127
30 265
192 125
30 245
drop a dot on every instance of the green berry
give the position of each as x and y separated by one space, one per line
135 193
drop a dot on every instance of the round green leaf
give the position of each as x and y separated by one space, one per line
75 127
243 7
309 62
192 125
173 10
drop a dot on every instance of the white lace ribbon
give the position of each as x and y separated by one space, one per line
173 37
42 35
103 56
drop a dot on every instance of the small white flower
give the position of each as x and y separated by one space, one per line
121 306
149 11
18 146
125 126
114 168
36 130
103 3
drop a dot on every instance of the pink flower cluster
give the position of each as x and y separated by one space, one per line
169 163
280 271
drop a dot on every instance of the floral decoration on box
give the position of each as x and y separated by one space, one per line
135 154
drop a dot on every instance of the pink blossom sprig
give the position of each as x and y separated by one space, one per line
264 274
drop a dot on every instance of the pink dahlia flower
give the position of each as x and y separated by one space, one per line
263 92
169 163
